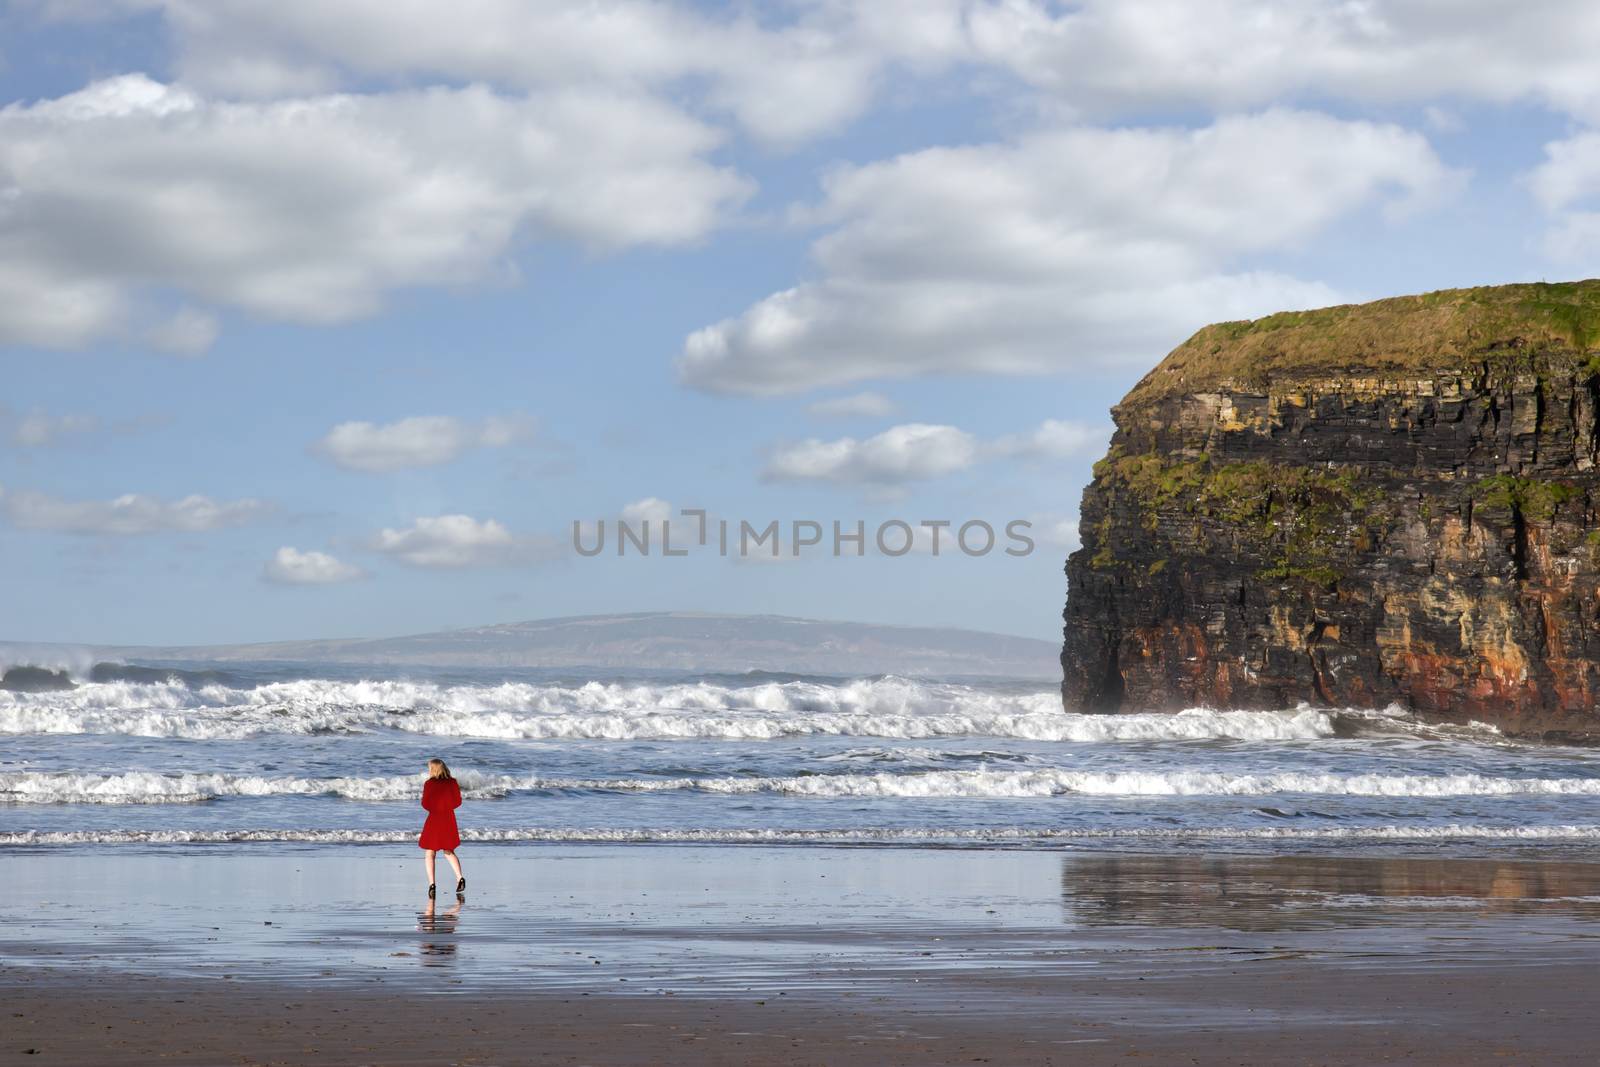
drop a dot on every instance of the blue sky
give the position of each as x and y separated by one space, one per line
330 320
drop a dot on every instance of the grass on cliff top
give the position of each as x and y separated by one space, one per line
1443 331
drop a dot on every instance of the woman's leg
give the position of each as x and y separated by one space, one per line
450 854
427 861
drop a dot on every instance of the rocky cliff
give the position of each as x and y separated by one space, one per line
1396 502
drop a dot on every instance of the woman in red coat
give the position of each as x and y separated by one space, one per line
441 796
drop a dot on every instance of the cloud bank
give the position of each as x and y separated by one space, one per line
311 209
129 514
1064 249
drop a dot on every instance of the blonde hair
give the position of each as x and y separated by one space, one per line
438 769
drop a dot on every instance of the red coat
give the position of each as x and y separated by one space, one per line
441 796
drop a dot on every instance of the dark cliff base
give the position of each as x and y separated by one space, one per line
1396 503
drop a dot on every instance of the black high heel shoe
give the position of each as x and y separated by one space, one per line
461 887
433 890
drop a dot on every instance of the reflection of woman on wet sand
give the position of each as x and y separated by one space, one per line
430 923
441 796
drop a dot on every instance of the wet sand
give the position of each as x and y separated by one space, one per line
796 955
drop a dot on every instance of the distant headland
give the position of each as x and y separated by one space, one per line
665 640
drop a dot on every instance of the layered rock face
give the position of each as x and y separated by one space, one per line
1395 502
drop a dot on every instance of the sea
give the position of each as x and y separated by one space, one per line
200 756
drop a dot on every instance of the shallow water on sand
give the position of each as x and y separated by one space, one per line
772 921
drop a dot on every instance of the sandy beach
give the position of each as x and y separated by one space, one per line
645 954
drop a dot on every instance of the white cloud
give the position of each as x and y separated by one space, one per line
312 209
1570 172
1055 531
453 541
651 509
1054 439
854 406
1107 56
44 306
420 441
784 74
132 513
1573 240
790 71
290 566
900 454
1067 248
1567 186
651 520
918 451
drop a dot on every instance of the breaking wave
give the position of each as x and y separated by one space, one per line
868 836
146 787
883 707
1055 782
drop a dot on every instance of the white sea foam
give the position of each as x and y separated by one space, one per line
147 787
1058 782
885 707
150 787
908 836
